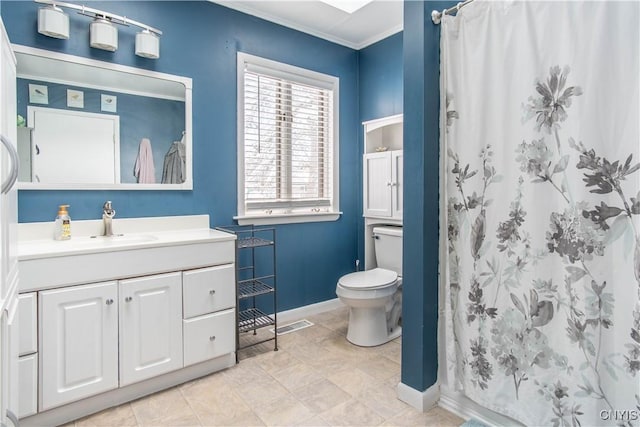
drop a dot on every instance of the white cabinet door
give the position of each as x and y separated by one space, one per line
396 184
377 184
27 318
28 390
78 342
150 326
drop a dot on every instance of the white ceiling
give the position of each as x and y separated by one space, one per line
367 25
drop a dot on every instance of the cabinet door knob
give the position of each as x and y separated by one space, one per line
212 338
109 301
128 299
389 184
212 291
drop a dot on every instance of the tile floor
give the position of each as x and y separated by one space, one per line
315 379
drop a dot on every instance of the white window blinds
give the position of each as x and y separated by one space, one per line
287 141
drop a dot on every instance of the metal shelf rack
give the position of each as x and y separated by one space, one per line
250 285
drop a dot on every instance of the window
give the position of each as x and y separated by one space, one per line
287 143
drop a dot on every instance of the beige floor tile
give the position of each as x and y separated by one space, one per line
316 421
353 381
297 374
287 411
321 396
411 417
119 416
307 351
391 350
261 392
379 367
449 418
275 360
167 408
382 399
338 344
215 403
245 372
351 413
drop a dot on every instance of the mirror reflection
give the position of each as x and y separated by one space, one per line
90 124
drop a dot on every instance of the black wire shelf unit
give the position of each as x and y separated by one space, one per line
250 285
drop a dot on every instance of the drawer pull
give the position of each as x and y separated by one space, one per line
128 299
109 301
212 291
212 338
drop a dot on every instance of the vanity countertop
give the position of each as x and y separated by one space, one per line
130 234
47 248
140 247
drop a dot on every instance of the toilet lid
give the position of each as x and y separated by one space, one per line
369 279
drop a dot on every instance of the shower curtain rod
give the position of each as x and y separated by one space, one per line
436 16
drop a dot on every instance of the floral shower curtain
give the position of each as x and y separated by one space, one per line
540 124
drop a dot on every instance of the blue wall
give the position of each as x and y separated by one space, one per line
380 95
200 41
160 120
421 166
380 78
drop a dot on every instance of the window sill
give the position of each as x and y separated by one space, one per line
287 218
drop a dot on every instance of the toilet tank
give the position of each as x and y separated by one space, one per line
388 247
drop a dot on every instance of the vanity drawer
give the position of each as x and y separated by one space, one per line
28 321
209 336
208 289
28 390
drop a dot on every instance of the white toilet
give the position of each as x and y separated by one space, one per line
374 296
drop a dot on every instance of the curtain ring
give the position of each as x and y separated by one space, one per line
458 6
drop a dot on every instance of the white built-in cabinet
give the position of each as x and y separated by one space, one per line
383 184
382 168
9 333
78 342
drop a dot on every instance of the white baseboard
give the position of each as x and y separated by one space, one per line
309 310
421 400
466 408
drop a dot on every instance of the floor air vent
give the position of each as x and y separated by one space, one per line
291 327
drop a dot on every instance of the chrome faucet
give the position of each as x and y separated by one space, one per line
107 217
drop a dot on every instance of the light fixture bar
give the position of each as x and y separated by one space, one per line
96 13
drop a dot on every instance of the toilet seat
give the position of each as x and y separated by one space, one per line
369 279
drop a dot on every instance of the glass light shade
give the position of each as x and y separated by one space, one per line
104 35
53 22
147 45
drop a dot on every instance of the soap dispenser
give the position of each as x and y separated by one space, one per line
62 229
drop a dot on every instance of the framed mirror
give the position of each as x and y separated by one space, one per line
87 124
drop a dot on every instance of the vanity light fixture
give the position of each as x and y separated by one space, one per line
147 44
103 35
53 22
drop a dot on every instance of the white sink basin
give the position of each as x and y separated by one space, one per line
120 238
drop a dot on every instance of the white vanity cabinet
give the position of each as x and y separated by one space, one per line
120 319
382 194
150 326
78 342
